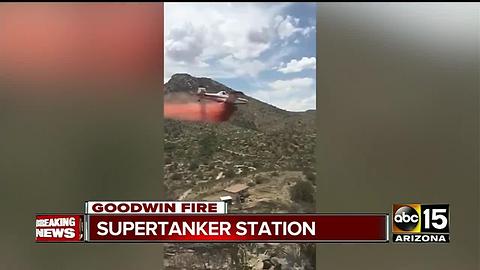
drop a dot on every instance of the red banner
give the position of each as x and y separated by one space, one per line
239 228
59 228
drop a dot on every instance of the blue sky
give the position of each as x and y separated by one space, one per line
266 50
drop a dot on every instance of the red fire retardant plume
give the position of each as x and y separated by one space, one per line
199 111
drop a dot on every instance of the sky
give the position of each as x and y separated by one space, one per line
266 50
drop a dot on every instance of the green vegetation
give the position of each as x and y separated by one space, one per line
207 145
229 173
274 174
169 147
193 165
310 175
302 192
259 179
176 176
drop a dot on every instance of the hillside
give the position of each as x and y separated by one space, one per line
256 114
259 138
266 148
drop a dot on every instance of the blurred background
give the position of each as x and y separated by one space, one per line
80 119
397 99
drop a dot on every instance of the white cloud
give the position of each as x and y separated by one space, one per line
199 33
298 65
286 26
242 67
238 42
308 30
207 38
185 43
298 104
293 84
298 94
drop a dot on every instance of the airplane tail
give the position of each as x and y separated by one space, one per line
235 98
232 97
201 91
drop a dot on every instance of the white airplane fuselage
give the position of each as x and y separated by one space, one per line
222 96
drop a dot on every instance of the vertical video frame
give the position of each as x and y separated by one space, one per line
239 108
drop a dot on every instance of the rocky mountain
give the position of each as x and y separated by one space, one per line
258 138
255 115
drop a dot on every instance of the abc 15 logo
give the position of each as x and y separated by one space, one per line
421 218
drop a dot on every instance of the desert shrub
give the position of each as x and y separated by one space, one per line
229 173
274 174
193 165
207 145
259 179
309 175
257 164
169 147
302 192
309 251
176 176
199 175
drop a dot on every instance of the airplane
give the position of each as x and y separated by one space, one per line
222 96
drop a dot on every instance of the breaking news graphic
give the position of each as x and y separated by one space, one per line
59 228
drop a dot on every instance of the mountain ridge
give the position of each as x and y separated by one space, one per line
257 114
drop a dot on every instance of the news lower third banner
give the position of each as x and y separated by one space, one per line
203 221
237 228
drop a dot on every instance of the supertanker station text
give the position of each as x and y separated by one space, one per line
212 228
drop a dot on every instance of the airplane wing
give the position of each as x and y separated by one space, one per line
222 96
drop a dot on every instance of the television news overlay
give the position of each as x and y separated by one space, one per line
420 223
59 228
238 228
202 221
